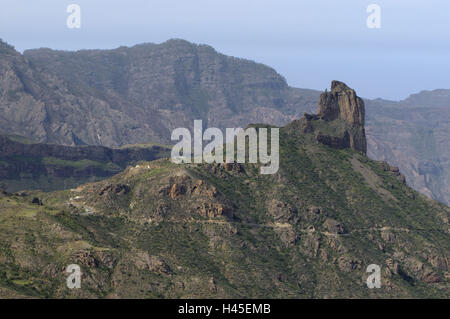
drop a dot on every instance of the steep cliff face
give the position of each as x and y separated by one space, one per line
342 102
140 94
414 135
340 120
45 107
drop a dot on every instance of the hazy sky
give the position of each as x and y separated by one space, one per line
309 42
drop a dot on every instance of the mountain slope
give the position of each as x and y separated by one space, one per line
162 230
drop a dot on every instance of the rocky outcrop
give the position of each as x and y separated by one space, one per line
340 120
342 102
143 261
334 226
392 169
338 142
115 190
282 212
213 210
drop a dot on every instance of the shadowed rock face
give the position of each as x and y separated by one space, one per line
49 167
342 102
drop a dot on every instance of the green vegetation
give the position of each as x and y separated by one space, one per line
21 139
160 230
109 166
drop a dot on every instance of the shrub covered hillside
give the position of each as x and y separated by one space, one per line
161 230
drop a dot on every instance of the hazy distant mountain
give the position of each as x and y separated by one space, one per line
436 98
151 89
139 94
414 135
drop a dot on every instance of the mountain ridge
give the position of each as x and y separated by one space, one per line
133 95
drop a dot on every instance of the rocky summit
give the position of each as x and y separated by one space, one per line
340 120
342 102
165 230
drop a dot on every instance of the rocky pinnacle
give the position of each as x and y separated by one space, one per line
343 103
